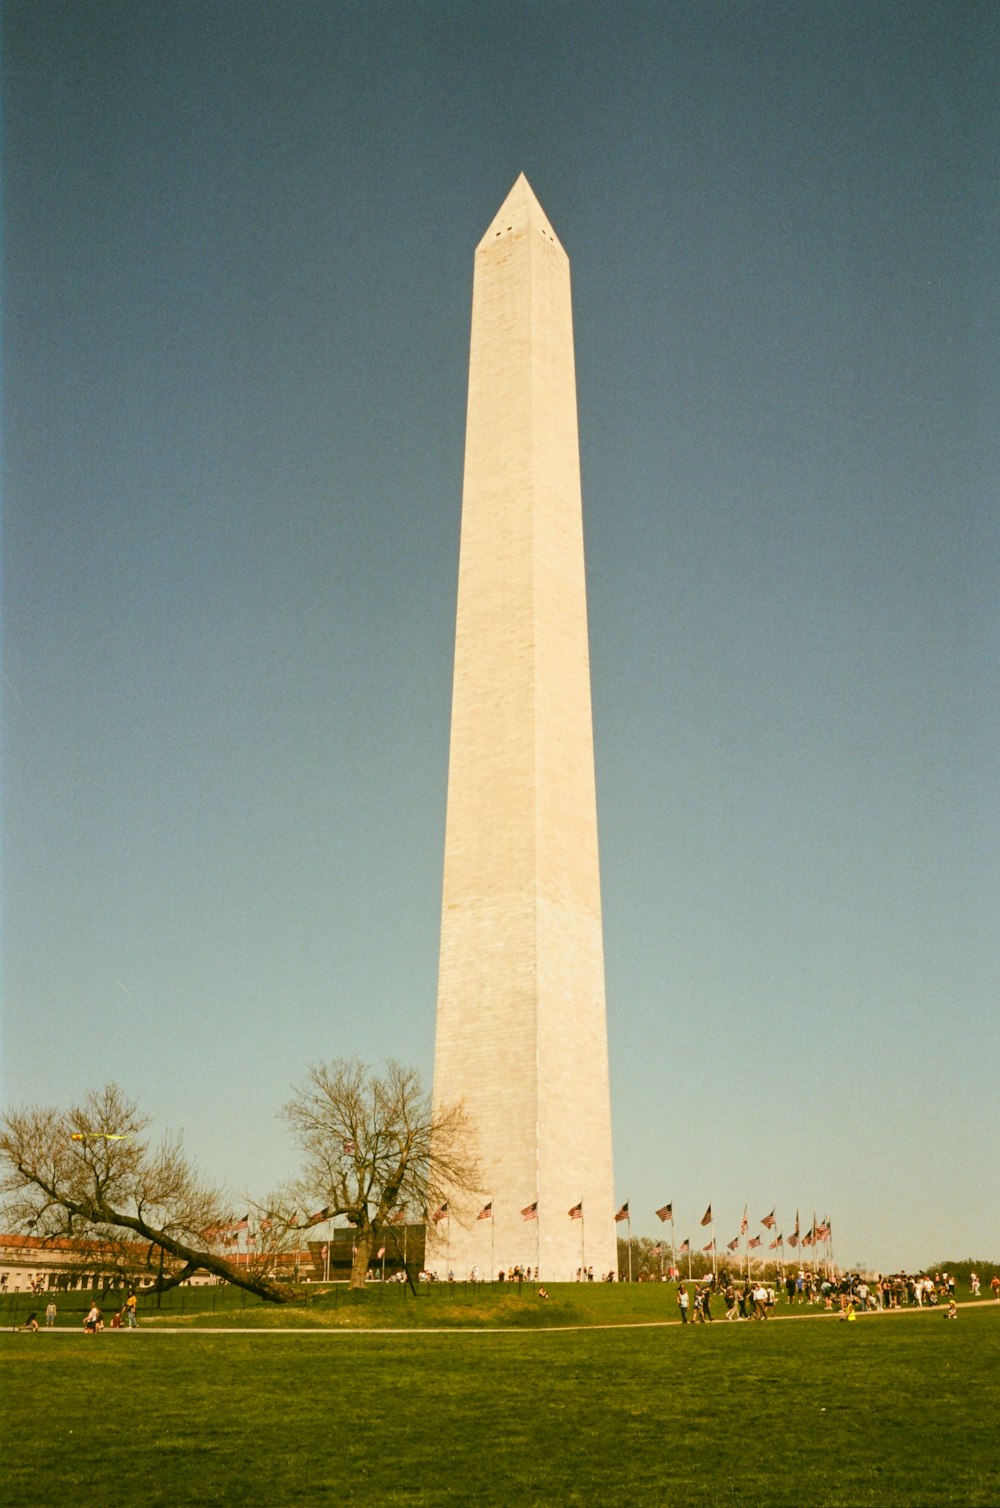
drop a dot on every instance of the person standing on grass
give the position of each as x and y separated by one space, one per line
130 1307
92 1320
683 1301
50 1314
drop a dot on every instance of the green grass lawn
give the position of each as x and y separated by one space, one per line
388 1306
889 1410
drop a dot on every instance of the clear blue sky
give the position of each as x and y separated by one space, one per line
238 243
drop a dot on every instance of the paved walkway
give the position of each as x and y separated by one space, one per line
810 1311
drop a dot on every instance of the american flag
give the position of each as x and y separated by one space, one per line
733 1244
318 1218
441 1213
754 1241
380 1252
623 1212
666 1213
486 1213
684 1247
576 1213
744 1222
774 1243
706 1218
530 1211
769 1221
710 1246
398 1217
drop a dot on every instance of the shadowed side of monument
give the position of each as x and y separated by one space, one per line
521 1030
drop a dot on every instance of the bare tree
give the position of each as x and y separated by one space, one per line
90 1173
373 1145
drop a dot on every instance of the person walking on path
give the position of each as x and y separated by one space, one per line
130 1306
683 1301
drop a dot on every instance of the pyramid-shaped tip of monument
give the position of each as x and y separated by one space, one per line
520 211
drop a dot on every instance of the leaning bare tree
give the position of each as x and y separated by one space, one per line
374 1145
90 1173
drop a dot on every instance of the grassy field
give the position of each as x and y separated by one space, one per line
894 1410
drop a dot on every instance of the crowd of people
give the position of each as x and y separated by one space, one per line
851 1293
743 1299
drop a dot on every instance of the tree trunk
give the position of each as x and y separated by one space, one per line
196 1260
253 1282
362 1257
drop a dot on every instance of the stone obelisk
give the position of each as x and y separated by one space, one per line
521 1030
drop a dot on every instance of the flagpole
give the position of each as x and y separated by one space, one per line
715 1254
689 1259
538 1245
663 1215
745 1234
493 1229
779 1274
628 1227
583 1249
818 1264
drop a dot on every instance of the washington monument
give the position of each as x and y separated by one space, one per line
521 1031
